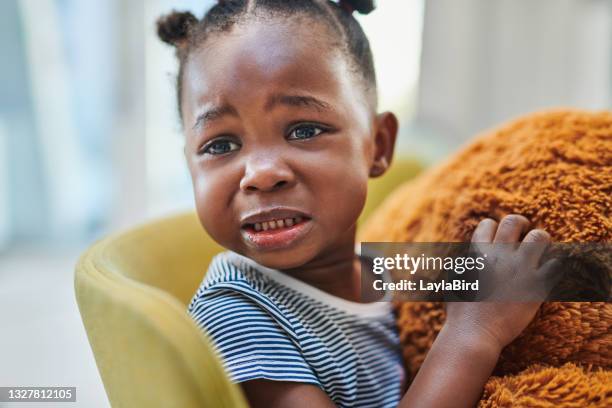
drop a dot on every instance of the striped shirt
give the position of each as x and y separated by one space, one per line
265 324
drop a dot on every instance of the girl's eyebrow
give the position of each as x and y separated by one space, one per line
297 100
216 112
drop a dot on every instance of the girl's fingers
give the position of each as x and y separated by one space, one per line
548 275
510 229
485 231
534 244
549 271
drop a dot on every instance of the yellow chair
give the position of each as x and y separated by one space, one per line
133 289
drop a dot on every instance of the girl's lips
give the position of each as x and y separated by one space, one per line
276 237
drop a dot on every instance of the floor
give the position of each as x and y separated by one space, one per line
42 339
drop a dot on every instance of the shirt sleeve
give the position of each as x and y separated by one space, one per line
251 343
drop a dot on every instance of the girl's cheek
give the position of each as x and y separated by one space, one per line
211 194
341 187
202 201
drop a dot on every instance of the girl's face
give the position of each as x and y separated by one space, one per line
281 140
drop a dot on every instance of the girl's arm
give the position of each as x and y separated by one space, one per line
284 394
454 372
467 348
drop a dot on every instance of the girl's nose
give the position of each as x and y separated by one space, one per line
266 174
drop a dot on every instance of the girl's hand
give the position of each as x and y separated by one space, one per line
514 275
467 348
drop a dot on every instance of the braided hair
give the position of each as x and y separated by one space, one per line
185 32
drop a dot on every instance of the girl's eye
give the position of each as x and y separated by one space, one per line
302 132
220 147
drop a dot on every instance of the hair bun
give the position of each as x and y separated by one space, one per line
361 6
174 27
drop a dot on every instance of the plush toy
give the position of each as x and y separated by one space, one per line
555 168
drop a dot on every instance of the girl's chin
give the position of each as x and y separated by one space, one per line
292 257
283 259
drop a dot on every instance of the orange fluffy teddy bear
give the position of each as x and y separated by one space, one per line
555 168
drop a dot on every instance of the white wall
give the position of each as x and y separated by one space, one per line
128 141
486 61
4 180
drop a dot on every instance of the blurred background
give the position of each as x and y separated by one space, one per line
90 140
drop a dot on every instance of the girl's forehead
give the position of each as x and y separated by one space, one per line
258 56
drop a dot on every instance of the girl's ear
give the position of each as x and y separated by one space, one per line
386 126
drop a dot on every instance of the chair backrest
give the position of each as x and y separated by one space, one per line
132 291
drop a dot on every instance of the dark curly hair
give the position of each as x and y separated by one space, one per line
185 32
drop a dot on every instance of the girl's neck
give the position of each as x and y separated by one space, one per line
337 272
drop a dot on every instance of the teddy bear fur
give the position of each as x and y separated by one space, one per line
555 168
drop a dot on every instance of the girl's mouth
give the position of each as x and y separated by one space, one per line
275 232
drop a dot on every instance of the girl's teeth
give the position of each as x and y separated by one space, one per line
274 224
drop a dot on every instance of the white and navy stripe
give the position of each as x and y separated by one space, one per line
268 325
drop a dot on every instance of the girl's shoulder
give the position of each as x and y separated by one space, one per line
225 273
229 278
224 269
240 294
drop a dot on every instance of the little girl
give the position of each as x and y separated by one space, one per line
278 104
